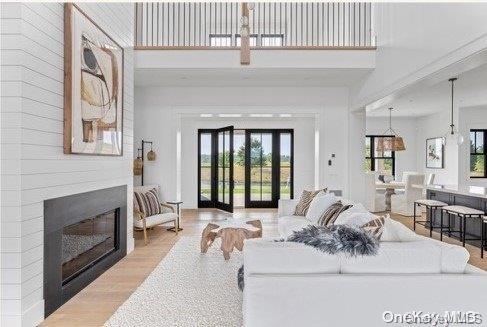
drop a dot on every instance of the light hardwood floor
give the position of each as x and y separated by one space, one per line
97 302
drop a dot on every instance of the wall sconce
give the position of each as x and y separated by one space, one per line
151 155
138 164
139 161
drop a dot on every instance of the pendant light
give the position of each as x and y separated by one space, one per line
391 141
452 136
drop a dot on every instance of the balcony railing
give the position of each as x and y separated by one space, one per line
290 25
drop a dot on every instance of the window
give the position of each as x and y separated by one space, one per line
383 162
253 40
271 40
478 162
221 40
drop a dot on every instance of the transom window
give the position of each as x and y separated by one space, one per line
263 40
252 38
478 162
271 40
382 162
221 40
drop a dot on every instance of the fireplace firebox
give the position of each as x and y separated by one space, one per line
84 235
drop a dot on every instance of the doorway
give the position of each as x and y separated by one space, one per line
251 168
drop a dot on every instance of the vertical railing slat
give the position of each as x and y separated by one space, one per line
287 24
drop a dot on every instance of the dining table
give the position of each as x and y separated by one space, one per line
390 188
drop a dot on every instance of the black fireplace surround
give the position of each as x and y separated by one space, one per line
84 235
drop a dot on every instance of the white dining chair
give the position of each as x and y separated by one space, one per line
403 203
374 198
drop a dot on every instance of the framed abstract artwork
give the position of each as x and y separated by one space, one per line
93 87
435 152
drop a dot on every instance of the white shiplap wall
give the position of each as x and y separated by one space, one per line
33 166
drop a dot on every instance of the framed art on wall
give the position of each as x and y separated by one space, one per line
435 152
93 87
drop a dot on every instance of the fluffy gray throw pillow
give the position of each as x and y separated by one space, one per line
335 239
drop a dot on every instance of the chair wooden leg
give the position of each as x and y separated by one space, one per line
146 240
176 226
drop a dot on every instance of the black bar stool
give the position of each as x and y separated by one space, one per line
463 213
430 205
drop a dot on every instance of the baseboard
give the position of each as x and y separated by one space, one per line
33 316
130 244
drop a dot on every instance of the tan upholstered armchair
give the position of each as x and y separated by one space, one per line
167 215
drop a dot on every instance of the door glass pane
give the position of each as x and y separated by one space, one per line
266 167
226 167
205 164
255 166
221 171
239 168
285 162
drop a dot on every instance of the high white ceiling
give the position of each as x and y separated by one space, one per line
470 90
248 77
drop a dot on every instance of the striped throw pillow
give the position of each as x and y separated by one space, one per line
305 200
375 227
148 202
331 214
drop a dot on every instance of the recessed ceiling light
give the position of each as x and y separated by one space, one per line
206 115
261 115
230 115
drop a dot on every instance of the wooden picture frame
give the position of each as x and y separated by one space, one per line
435 153
93 87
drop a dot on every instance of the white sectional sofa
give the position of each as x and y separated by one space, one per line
291 284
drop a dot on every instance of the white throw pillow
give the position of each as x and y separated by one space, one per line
358 219
346 216
319 205
394 231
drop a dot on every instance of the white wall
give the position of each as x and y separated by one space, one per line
417 39
470 118
432 126
161 114
34 167
356 150
405 127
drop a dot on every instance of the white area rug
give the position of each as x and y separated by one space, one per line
187 288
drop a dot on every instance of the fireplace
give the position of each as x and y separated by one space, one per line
84 235
86 242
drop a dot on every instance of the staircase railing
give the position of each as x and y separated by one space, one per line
271 25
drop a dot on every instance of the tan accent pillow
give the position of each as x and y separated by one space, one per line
304 202
375 226
331 214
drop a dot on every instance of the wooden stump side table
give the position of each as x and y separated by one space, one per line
232 234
